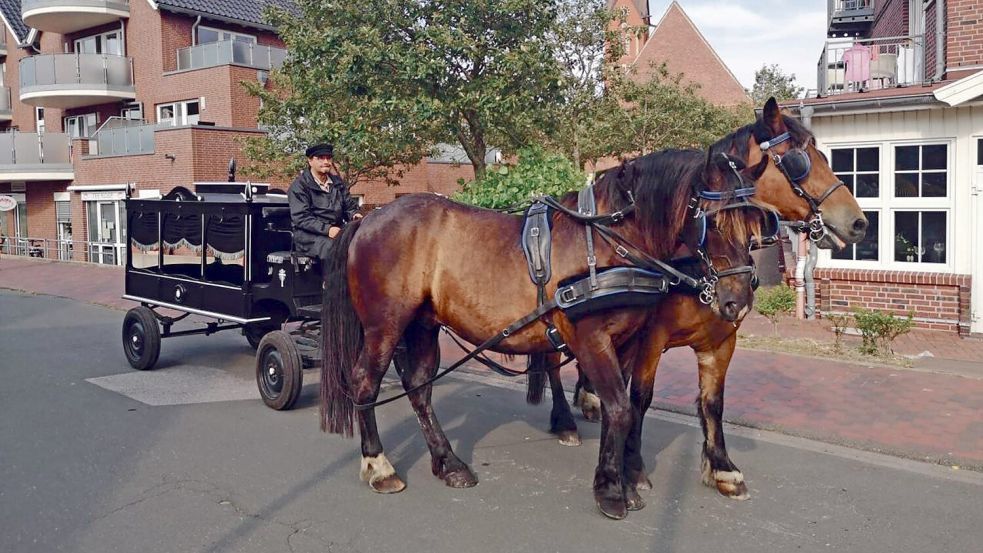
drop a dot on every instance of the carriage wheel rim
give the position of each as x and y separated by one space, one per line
272 374
136 338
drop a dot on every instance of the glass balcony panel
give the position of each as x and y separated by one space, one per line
56 148
118 71
855 65
242 53
132 137
6 148
92 68
27 148
228 52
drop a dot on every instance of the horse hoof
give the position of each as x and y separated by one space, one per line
590 406
633 501
461 479
388 484
728 483
569 438
612 508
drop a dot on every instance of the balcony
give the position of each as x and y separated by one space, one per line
230 52
68 16
123 137
870 64
6 113
75 80
849 17
29 156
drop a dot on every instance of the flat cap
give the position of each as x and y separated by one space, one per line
320 150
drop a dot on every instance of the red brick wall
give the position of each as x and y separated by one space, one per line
425 177
938 301
890 18
964 34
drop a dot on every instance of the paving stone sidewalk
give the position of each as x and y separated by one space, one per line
920 414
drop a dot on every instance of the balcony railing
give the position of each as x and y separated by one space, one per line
118 136
75 80
870 64
33 156
849 17
67 16
5 106
230 52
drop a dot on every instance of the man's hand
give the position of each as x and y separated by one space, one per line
356 216
333 231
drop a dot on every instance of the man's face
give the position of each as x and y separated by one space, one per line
320 163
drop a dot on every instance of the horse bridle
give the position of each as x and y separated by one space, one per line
738 199
796 165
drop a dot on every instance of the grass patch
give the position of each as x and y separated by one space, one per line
813 348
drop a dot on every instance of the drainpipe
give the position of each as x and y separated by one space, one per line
810 282
800 272
939 39
194 31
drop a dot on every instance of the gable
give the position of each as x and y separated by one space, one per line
682 47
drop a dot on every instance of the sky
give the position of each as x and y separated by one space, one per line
749 33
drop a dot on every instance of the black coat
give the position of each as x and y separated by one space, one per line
312 211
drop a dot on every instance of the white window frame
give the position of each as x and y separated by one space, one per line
887 205
223 35
130 108
180 111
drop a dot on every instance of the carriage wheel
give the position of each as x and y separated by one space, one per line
141 338
256 331
279 370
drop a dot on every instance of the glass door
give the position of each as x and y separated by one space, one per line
975 239
105 232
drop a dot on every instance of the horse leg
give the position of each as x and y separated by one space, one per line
561 419
423 354
371 366
599 362
642 361
718 470
585 398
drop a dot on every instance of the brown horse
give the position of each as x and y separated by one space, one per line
681 320
424 261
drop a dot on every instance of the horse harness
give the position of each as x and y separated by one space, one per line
795 164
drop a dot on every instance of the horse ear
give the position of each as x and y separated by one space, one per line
772 117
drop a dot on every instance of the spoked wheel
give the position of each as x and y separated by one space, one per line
279 370
256 331
141 338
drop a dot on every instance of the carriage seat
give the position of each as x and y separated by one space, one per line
299 260
278 219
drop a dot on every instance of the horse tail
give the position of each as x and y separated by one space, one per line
341 338
537 378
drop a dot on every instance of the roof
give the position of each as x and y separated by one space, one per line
11 12
244 12
682 47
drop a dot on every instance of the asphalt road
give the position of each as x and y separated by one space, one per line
96 457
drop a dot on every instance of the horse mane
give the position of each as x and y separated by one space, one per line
736 143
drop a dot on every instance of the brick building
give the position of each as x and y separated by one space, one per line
899 111
100 93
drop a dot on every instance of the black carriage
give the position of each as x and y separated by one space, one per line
223 252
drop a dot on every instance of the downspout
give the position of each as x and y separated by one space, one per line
194 31
939 39
805 285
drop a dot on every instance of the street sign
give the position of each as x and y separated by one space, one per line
7 203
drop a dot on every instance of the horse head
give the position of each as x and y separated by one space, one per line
796 179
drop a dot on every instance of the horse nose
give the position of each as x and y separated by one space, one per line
730 310
860 226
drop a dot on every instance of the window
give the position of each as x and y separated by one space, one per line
920 171
208 35
81 126
178 113
103 43
859 169
132 111
920 236
867 249
39 120
979 151
905 192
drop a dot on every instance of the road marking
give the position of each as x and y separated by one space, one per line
179 386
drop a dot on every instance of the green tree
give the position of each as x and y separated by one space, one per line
388 79
537 173
770 81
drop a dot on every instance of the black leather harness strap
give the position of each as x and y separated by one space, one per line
586 206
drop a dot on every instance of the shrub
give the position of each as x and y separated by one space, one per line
840 323
879 330
774 302
538 173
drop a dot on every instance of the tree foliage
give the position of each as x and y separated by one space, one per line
387 79
770 81
537 173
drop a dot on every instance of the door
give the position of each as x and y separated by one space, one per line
105 233
976 239
13 228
